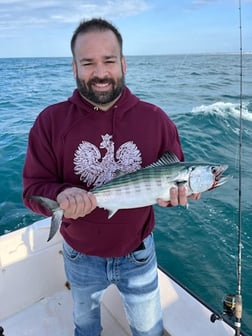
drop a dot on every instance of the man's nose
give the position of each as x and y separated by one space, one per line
100 70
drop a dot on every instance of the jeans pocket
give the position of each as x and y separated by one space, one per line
69 252
143 256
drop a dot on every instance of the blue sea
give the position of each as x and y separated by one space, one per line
200 93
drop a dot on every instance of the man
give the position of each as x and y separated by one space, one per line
82 143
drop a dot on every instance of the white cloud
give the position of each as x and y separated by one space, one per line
20 13
201 3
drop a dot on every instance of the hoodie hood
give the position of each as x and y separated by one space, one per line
125 102
116 113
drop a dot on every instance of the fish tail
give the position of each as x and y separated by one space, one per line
54 208
55 222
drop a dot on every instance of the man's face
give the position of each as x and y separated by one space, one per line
99 68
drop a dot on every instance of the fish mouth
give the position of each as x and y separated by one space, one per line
219 179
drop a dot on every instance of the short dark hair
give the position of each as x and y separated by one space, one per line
93 25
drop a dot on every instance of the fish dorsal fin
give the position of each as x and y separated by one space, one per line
119 173
166 159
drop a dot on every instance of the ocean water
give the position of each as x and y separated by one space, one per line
200 93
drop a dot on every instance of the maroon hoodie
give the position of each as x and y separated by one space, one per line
74 143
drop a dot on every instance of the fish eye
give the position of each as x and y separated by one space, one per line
214 170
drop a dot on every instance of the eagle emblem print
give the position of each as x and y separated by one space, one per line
96 170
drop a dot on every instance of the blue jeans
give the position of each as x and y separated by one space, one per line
135 275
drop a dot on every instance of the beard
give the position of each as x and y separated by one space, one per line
98 97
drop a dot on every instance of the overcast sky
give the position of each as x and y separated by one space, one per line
31 28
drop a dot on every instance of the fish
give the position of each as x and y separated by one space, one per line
144 186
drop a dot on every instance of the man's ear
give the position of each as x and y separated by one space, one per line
124 66
74 67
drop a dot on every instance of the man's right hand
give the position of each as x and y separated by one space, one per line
76 202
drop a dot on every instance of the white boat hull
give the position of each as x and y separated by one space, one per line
36 301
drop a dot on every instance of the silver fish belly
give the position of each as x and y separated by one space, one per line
138 189
145 186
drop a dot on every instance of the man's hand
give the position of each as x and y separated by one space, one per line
76 202
178 197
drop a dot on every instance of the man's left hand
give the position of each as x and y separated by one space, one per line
177 197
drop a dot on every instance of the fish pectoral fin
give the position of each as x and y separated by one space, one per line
111 213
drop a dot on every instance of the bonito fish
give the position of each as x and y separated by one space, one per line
144 186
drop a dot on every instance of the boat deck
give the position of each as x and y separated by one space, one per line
55 318
36 301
